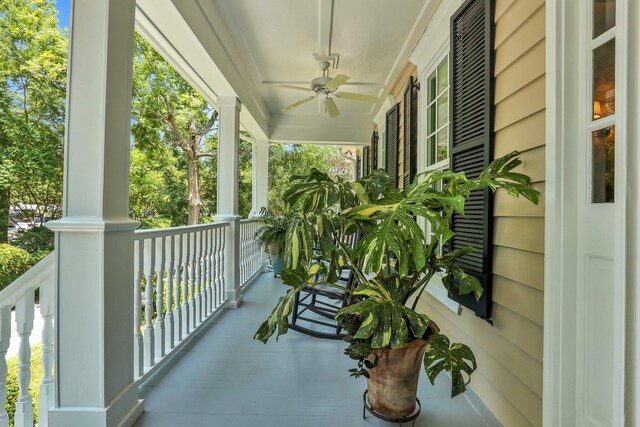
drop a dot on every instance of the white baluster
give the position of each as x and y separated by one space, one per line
222 279
169 327
210 269
46 398
24 325
177 280
192 281
185 284
158 327
197 318
206 273
219 236
149 264
243 248
138 348
5 337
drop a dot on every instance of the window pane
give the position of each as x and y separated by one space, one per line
443 144
431 119
604 16
604 158
432 87
604 80
431 150
443 75
443 109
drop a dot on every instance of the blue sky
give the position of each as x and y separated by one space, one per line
64 8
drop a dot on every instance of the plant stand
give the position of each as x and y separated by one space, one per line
383 417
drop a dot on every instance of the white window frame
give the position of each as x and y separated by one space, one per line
435 288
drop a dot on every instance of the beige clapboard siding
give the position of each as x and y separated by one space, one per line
512 15
521 73
522 135
505 205
511 361
509 376
520 266
520 233
520 41
525 300
522 104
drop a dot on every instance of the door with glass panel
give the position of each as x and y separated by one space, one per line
601 206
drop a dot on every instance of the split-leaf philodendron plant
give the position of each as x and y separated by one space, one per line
392 262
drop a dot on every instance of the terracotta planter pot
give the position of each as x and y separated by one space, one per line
393 383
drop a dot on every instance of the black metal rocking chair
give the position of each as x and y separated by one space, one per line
315 307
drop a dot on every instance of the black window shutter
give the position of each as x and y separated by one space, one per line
374 151
410 131
391 144
471 140
365 161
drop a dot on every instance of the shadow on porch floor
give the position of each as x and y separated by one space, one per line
225 378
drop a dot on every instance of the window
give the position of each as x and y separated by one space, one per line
436 120
437 123
602 51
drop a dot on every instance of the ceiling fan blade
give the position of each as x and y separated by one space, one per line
332 108
296 104
337 81
357 97
305 89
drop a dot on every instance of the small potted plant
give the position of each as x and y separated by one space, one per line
393 262
272 237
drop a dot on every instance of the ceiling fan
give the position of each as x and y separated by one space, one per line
328 87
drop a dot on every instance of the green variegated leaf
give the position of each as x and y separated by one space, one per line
468 283
367 327
399 330
360 192
382 334
418 322
457 359
365 211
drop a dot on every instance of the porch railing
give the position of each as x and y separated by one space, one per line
17 309
250 252
179 283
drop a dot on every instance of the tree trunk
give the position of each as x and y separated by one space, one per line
5 206
194 190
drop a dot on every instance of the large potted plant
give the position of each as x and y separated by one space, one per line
393 262
272 235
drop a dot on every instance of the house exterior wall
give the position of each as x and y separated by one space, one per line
509 353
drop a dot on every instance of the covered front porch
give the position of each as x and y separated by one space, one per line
224 378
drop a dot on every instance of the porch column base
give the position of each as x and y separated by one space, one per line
234 298
122 412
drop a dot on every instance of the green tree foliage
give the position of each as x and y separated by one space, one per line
167 110
286 161
158 186
33 54
13 263
210 181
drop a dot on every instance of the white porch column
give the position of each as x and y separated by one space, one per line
94 239
260 175
260 184
228 147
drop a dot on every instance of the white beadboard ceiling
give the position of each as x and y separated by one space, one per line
248 47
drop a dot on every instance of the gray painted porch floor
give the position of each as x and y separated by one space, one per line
225 378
